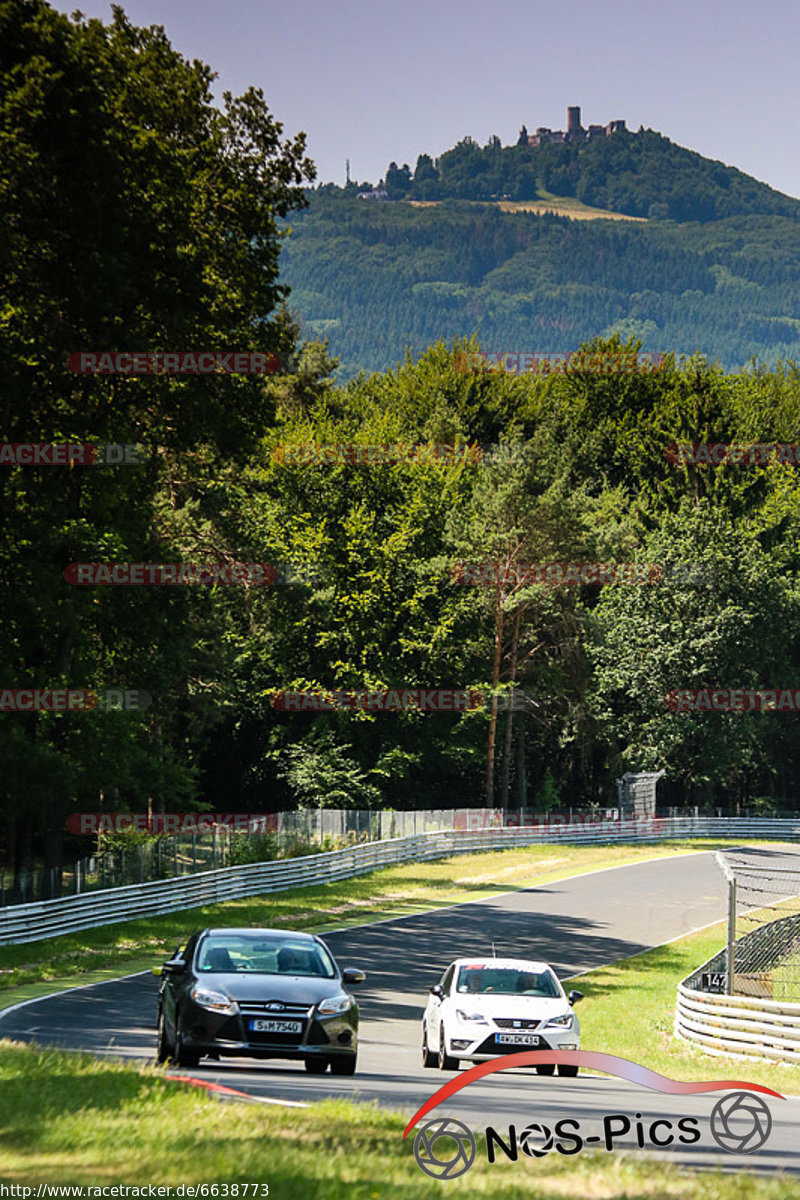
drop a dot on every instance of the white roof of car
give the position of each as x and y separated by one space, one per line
516 964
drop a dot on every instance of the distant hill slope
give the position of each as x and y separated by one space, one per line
639 174
379 278
647 175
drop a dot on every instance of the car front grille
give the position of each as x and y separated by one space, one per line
264 1008
516 1023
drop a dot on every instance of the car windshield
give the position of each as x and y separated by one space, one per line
263 956
513 981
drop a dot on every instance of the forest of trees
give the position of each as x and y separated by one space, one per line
155 249
641 174
378 279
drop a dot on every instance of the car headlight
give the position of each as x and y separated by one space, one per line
334 1004
564 1022
475 1018
216 1002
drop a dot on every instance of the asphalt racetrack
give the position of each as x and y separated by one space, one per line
576 925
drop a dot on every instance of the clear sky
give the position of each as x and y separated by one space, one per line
375 80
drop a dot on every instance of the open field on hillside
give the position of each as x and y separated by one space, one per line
561 206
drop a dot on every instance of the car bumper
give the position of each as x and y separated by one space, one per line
485 1047
210 1033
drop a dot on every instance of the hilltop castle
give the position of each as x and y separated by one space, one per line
575 132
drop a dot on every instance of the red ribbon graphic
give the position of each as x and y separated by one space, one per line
593 1060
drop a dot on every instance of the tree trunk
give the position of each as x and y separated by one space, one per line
498 646
522 782
510 716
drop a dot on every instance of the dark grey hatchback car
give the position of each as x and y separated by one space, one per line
259 993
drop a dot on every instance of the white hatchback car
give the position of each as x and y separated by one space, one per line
483 1007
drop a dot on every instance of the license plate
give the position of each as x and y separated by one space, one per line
276 1026
517 1039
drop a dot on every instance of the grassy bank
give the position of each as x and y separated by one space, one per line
96 954
630 1007
71 1119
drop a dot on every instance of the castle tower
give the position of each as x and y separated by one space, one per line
574 119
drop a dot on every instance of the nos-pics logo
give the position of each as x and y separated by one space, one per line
445 1148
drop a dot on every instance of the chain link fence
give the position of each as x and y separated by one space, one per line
116 861
762 955
115 865
126 859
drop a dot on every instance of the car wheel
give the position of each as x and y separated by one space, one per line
547 1069
343 1066
569 1071
446 1063
316 1066
429 1059
184 1057
165 1049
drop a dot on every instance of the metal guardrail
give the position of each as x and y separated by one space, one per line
742 1026
52 918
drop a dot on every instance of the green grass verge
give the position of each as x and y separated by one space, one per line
92 955
71 1119
630 1008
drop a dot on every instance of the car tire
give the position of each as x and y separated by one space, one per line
343 1066
316 1066
429 1059
164 1050
546 1069
183 1056
568 1071
446 1062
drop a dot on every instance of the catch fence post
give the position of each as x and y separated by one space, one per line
731 952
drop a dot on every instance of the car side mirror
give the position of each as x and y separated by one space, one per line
574 997
175 966
159 971
437 990
353 975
